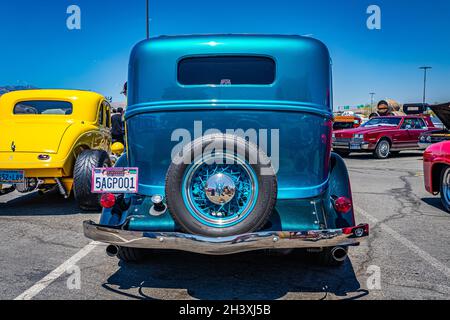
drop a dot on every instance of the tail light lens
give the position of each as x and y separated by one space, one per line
342 204
108 200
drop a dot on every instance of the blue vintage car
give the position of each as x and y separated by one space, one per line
229 139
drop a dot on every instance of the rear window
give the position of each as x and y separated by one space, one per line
226 70
343 125
43 107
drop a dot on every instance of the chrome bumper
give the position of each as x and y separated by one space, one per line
424 145
226 245
346 146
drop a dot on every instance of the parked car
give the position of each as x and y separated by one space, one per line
346 122
383 136
51 139
436 167
442 112
232 197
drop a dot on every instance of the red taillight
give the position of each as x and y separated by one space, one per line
342 204
108 200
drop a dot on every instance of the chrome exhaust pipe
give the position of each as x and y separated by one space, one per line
112 250
61 188
339 254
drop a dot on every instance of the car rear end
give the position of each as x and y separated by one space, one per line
261 101
33 152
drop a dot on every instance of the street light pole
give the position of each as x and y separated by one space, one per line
372 94
425 82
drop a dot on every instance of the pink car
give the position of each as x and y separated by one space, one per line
436 167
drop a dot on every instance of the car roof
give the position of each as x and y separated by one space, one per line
54 93
85 103
302 71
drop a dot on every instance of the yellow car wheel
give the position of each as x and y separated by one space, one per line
84 164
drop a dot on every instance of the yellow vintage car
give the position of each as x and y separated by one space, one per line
51 139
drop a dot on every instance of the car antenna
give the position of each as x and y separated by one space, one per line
147 15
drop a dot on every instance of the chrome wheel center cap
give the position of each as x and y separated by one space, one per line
220 189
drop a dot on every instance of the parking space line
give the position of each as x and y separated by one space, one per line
407 243
58 272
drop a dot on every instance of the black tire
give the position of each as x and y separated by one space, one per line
325 258
382 150
342 153
82 176
131 255
445 188
265 199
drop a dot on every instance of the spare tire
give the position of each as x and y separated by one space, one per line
221 185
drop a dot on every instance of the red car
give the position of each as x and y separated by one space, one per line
383 135
436 167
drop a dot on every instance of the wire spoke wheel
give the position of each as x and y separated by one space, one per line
220 194
230 191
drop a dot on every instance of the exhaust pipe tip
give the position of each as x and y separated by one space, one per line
339 254
112 250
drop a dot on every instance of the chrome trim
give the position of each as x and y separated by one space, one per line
62 190
4 191
225 245
346 146
424 145
365 146
339 254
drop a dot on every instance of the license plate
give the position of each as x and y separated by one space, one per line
115 180
11 176
355 146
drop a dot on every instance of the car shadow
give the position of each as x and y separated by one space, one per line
434 202
35 204
247 276
404 154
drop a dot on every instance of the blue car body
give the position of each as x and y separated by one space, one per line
296 105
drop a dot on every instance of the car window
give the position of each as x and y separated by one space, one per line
108 115
226 70
382 121
419 124
343 125
101 115
413 124
43 108
407 124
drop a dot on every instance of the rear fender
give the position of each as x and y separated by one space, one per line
339 186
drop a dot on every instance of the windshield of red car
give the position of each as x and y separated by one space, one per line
43 108
383 121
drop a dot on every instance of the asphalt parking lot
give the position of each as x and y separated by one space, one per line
43 248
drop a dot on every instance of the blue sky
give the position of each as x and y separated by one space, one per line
38 49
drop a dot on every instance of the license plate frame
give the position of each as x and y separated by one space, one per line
115 180
12 176
355 146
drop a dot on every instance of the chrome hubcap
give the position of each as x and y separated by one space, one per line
384 148
220 189
219 194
